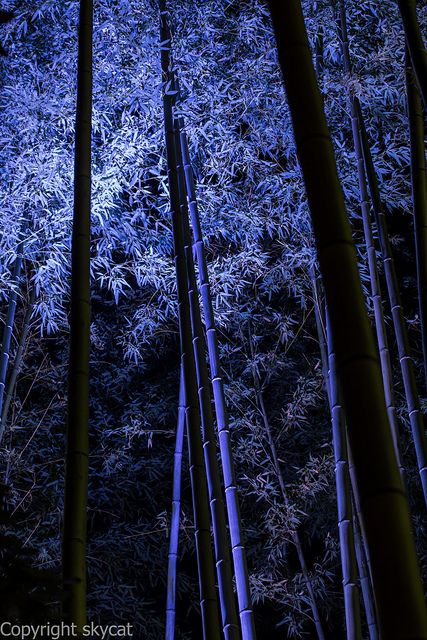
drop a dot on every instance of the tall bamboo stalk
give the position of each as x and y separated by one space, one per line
365 584
345 511
230 621
17 363
384 507
380 326
208 601
10 319
358 544
280 479
399 324
415 44
175 516
229 477
76 462
419 196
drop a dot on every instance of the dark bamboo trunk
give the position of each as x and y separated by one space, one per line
419 196
384 508
415 44
76 462
205 562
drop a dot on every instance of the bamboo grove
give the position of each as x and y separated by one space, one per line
167 245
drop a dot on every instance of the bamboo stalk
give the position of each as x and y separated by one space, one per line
365 584
419 196
345 511
384 508
17 364
231 492
222 554
415 44
76 462
175 516
400 330
10 319
379 320
205 563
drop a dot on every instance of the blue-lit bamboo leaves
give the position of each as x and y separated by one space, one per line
208 601
77 452
384 508
281 481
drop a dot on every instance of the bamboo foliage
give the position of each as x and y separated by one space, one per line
384 508
76 464
208 601
175 516
280 479
419 196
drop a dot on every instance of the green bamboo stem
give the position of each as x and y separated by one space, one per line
384 508
205 563
76 462
365 584
419 196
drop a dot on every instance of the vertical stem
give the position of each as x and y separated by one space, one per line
380 326
17 364
10 319
415 44
222 554
76 462
345 511
175 516
419 196
231 493
406 362
384 506
365 582
208 601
